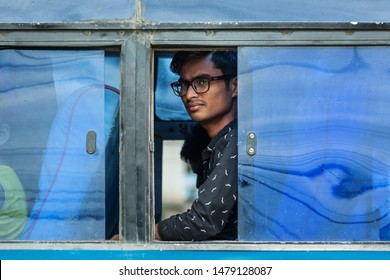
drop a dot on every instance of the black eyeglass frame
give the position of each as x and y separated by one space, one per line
209 79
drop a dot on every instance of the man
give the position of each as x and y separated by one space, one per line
208 89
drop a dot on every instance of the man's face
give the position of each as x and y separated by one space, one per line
218 106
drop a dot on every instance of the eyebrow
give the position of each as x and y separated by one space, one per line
197 77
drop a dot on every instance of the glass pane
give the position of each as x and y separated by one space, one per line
53 144
168 106
58 11
322 144
265 10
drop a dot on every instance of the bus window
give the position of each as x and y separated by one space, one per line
314 156
196 139
59 139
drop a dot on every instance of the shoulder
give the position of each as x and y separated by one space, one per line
227 137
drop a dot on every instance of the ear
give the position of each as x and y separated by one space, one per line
233 86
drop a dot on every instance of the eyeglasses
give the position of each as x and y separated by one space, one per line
199 85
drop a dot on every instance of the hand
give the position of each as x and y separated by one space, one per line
156 235
115 237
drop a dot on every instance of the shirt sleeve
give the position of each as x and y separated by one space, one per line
217 197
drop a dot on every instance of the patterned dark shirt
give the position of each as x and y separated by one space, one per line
213 215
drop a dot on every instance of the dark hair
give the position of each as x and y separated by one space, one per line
191 152
224 60
194 144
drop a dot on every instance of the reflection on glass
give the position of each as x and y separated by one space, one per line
52 171
321 171
264 10
168 106
58 11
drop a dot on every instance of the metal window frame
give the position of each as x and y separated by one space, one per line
138 40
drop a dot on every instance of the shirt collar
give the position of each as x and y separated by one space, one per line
221 133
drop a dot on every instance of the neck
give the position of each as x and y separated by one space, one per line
213 128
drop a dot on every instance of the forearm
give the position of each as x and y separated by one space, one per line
205 220
156 234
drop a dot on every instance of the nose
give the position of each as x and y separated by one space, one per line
191 93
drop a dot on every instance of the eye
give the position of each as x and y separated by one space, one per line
201 84
182 84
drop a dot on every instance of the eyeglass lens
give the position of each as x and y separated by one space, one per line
199 85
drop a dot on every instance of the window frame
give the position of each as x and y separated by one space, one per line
138 41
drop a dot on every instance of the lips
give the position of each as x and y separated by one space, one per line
194 106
